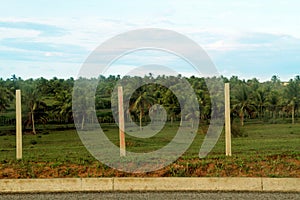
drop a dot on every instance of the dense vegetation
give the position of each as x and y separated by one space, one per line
50 101
263 112
269 150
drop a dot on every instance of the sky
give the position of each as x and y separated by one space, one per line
242 38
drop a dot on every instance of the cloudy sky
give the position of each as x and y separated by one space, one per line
244 38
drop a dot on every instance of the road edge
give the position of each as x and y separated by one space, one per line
149 184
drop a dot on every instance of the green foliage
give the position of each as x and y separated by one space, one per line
50 101
33 142
237 131
6 96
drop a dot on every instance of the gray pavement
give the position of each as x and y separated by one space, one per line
153 195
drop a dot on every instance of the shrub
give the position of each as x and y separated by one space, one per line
33 142
237 131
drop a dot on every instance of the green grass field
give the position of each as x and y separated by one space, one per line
65 145
271 150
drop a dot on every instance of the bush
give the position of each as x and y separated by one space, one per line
237 131
33 142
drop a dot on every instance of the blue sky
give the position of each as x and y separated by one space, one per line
244 38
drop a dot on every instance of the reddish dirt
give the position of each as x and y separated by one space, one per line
270 166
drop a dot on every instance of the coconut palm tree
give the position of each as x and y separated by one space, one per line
261 101
5 98
273 102
293 95
141 102
32 98
63 105
82 101
242 102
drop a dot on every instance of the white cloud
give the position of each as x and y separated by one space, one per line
14 33
236 34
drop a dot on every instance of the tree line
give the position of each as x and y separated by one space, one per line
50 101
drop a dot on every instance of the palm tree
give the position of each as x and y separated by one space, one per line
5 98
192 115
203 96
293 96
275 79
83 103
36 106
261 101
242 102
63 106
170 102
142 102
273 102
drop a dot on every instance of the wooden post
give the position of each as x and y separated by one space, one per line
121 122
227 120
18 125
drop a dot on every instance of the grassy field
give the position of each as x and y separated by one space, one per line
275 147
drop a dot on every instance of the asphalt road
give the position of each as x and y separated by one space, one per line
154 195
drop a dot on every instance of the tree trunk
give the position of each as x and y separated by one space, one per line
82 122
261 113
33 125
242 118
141 116
293 115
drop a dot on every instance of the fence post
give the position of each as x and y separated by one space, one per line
18 125
227 120
121 122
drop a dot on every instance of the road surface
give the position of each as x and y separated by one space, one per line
153 195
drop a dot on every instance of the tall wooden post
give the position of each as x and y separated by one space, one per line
121 122
18 125
227 120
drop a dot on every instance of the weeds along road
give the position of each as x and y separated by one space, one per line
154 195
